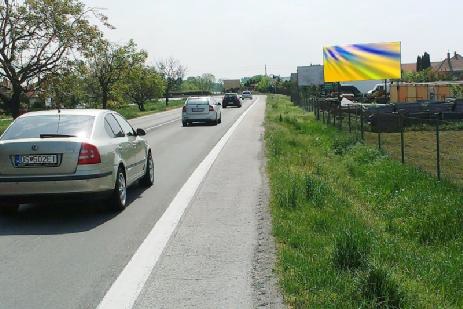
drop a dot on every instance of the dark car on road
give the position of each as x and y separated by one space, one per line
231 99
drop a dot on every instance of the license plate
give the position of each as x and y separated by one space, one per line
197 110
36 160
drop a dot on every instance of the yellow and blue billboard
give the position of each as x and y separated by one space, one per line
362 62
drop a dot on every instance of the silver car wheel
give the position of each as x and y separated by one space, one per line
151 169
122 188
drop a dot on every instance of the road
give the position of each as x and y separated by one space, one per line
69 255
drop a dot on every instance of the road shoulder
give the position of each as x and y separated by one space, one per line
216 257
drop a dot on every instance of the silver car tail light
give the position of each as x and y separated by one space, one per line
89 154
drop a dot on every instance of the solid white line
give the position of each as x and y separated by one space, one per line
127 287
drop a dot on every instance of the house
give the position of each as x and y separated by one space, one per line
452 65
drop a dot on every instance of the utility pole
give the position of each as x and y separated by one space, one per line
265 70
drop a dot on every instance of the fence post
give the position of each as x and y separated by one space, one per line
438 150
402 145
379 141
361 123
350 123
334 117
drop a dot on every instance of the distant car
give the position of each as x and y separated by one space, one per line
348 96
72 154
246 95
201 109
231 99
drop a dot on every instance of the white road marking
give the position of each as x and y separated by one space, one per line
127 287
162 124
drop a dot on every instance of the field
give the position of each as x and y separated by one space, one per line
420 151
355 228
128 111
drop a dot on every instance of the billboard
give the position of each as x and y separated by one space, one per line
362 62
310 75
229 84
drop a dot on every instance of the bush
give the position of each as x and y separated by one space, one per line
381 290
351 250
342 144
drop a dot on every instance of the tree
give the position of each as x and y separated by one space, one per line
38 38
423 62
426 61
66 88
109 62
265 84
143 84
204 83
173 73
419 64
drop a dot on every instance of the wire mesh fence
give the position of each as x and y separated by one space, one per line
427 135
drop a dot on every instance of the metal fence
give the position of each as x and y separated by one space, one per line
428 135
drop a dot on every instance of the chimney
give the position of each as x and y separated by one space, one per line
448 56
456 55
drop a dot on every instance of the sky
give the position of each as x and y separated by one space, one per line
237 38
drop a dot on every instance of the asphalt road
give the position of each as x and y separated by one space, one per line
61 255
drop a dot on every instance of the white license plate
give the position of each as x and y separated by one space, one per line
36 160
197 110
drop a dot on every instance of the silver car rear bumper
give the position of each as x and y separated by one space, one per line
15 186
204 117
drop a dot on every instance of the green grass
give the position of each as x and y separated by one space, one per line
356 229
130 111
4 123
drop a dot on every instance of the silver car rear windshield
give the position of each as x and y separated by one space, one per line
198 102
51 125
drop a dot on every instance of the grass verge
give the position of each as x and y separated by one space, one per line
356 229
132 111
128 111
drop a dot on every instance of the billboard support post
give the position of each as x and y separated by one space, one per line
386 96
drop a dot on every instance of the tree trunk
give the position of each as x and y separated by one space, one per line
167 95
141 106
14 103
104 99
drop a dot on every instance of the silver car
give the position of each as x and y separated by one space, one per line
202 109
246 95
72 154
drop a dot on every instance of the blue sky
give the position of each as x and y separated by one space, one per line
236 38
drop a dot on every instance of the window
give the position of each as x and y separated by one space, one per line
198 102
126 127
35 126
115 129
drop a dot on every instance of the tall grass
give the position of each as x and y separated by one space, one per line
355 228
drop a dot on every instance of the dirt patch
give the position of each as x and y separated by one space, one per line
266 292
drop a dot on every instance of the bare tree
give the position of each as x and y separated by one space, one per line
173 73
37 38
